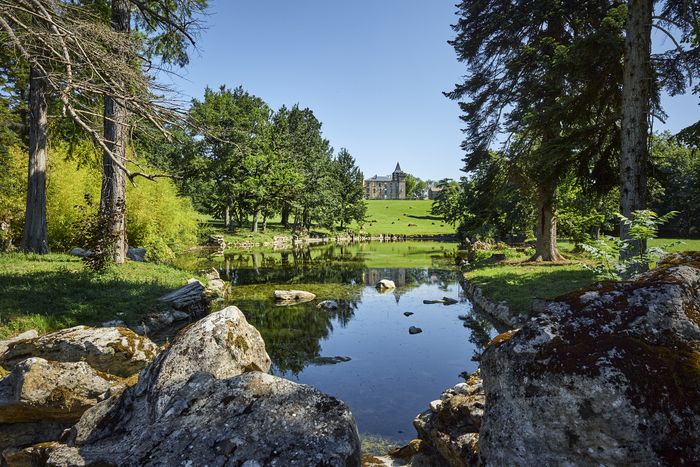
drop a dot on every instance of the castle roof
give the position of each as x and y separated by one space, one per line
398 168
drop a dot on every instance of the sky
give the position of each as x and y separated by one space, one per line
373 71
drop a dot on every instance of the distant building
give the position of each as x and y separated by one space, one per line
388 187
434 192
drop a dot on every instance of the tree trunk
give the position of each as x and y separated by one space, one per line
264 227
636 96
113 193
546 229
256 216
286 210
227 217
35 237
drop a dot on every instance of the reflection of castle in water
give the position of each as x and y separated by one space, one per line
374 275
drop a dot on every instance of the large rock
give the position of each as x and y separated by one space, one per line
385 284
193 406
4 345
117 351
17 435
609 376
39 390
293 296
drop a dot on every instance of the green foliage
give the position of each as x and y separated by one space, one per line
449 203
643 226
351 192
416 188
13 183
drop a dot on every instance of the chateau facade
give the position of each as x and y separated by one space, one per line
388 187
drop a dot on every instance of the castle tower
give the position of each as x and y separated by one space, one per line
399 179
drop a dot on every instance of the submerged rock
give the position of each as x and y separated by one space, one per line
117 351
329 360
608 376
204 401
407 313
414 330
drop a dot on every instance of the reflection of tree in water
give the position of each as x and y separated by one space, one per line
292 334
481 331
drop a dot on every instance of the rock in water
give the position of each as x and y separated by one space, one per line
193 406
609 376
385 284
298 296
117 351
414 330
329 360
328 305
407 313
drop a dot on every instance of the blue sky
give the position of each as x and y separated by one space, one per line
373 71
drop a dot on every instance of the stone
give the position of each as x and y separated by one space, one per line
117 351
41 391
214 281
329 360
179 315
414 330
116 323
328 305
295 296
80 252
17 435
449 431
607 376
205 401
386 284
136 254
31 334
189 297
432 302
449 301
407 313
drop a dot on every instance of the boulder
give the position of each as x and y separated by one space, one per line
17 435
136 254
31 334
205 401
251 419
117 351
296 296
385 284
38 390
606 376
214 281
80 252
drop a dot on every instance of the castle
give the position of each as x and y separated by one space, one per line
389 187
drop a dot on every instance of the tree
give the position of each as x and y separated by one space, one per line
640 87
351 189
525 75
416 188
449 203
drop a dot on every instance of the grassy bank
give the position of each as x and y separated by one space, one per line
55 291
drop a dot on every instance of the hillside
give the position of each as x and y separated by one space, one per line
403 217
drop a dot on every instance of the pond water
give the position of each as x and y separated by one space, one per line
391 375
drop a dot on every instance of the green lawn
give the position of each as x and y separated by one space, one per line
55 291
404 217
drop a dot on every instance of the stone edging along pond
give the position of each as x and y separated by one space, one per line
498 311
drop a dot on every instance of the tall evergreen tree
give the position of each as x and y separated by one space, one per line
351 189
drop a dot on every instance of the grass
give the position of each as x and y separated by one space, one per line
55 291
404 217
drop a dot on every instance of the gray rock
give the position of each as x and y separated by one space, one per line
14 436
414 330
136 254
38 390
117 351
80 252
192 406
603 377
386 284
293 296
116 323
407 313
31 334
329 360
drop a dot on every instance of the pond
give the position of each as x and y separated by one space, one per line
391 375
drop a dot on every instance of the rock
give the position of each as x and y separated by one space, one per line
243 420
385 284
31 334
432 302
449 301
136 254
449 431
328 305
607 376
190 298
414 330
408 313
294 296
117 323
192 406
179 315
117 351
39 399
329 360
80 252
214 281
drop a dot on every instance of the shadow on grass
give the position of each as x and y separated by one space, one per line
427 218
519 286
56 299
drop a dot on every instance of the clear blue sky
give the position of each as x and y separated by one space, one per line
373 71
